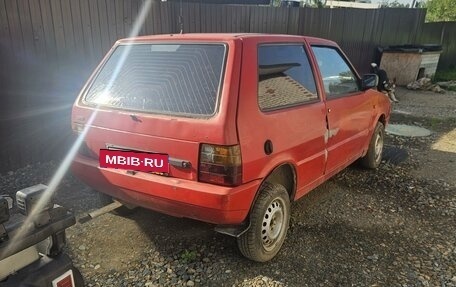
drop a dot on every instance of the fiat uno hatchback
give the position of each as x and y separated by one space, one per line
250 122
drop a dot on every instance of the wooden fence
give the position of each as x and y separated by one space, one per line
63 31
49 47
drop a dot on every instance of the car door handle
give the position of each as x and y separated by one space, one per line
329 110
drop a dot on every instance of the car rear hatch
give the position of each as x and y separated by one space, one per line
165 97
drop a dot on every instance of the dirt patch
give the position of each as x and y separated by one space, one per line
443 165
437 112
426 103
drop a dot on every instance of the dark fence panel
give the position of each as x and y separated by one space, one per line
443 33
360 31
49 47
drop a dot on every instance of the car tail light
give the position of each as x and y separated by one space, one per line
85 150
220 165
78 128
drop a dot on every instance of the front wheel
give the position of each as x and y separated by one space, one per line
269 220
373 157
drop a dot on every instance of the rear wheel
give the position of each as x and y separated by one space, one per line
269 220
373 157
124 210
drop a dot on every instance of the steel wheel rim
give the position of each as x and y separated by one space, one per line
272 225
378 147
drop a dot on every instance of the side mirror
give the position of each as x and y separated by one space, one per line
369 81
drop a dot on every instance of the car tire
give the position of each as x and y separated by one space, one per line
373 157
269 220
121 211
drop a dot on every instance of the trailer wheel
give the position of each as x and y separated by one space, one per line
269 220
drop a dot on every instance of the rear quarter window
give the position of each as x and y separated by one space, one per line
285 77
178 79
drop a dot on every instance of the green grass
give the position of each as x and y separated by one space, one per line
188 256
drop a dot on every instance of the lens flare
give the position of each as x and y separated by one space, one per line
66 163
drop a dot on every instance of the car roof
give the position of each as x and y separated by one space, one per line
221 37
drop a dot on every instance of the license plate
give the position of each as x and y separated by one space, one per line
134 160
64 280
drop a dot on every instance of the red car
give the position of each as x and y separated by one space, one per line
250 122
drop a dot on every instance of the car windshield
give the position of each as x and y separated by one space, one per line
178 79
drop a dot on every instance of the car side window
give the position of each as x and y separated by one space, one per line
285 76
338 77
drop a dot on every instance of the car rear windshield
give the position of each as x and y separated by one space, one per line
178 79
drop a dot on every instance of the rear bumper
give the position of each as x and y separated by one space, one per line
176 197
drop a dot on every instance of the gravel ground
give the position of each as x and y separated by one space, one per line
426 103
391 227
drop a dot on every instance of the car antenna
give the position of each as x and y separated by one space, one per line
181 19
